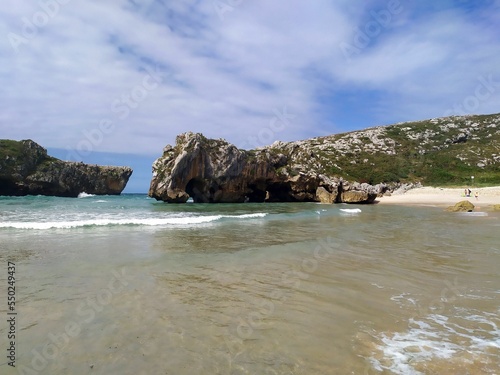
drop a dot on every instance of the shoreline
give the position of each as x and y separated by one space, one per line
444 197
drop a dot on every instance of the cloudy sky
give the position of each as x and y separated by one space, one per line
114 82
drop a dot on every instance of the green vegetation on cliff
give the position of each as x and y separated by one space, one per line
442 151
10 148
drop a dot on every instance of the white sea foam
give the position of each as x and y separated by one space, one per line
403 299
129 221
472 214
437 337
85 195
351 210
247 216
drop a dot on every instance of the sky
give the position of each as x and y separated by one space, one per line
114 82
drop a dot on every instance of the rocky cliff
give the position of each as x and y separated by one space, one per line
26 169
441 151
437 151
215 171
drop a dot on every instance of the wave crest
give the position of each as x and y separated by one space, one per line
133 221
85 195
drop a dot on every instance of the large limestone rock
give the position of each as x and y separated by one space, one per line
215 171
353 196
360 193
26 169
496 207
324 196
462 206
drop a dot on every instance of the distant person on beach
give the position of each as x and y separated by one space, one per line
467 192
476 195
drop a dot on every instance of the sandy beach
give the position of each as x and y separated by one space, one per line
444 197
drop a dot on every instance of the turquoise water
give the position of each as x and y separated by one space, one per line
129 285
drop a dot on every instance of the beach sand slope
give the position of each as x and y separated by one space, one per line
444 197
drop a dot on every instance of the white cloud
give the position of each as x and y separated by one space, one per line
226 77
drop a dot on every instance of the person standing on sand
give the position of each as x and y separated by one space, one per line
476 195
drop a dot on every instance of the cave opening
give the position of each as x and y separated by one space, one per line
8 187
256 195
195 189
280 192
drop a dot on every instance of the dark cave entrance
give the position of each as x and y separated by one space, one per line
258 190
280 192
256 195
196 188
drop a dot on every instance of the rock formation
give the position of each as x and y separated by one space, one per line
462 206
436 152
26 169
215 171
383 159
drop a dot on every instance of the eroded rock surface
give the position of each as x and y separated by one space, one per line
215 171
462 206
26 169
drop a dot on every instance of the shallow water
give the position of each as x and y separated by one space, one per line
132 286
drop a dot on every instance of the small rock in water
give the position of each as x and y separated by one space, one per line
463 206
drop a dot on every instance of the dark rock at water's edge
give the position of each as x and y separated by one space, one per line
462 206
215 171
26 169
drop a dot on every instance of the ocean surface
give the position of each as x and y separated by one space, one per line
129 285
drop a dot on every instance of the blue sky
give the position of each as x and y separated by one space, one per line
114 82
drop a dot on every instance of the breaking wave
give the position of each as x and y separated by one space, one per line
350 210
194 220
85 195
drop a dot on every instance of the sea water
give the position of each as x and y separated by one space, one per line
128 285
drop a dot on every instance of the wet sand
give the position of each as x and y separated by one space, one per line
435 196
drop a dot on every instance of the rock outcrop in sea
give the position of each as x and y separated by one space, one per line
215 171
26 169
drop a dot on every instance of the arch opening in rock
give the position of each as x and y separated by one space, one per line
280 192
195 188
257 193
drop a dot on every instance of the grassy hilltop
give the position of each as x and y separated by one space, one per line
442 151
